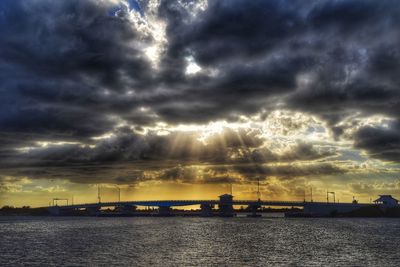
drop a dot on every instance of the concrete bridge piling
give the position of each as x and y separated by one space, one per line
206 210
165 211
253 209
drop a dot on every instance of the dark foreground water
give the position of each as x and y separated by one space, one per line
86 241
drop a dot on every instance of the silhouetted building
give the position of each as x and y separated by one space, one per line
387 201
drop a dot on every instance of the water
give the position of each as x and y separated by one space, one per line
88 241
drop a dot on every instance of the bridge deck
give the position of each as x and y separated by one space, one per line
179 203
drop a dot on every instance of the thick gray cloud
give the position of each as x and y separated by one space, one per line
264 49
72 70
228 146
380 142
288 171
57 60
125 157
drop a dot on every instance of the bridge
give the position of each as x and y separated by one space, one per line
225 205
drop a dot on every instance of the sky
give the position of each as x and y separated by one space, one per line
181 99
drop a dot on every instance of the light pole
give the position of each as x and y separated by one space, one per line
98 193
119 193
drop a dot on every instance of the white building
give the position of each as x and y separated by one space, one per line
387 201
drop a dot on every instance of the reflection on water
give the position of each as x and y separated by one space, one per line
87 241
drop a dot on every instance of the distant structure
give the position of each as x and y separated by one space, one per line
225 204
386 201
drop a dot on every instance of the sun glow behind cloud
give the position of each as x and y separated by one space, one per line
163 96
280 132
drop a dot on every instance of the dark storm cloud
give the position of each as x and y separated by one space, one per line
231 29
233 38
125 157
194 175
228 146
347 50
358 68
61 56
306 151
380 142
72 70
245 173
57 58
288 171
82 174
299 152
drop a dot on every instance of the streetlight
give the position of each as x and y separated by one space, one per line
98 193
327 196
119 193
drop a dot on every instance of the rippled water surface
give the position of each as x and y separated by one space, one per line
88 241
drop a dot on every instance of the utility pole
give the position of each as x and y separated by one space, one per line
98 193
119 193
311 195
231 189
258 189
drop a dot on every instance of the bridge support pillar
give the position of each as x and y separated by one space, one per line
127 209
206 210
254 208
93 211
60 211
225 206
164 211
54 210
